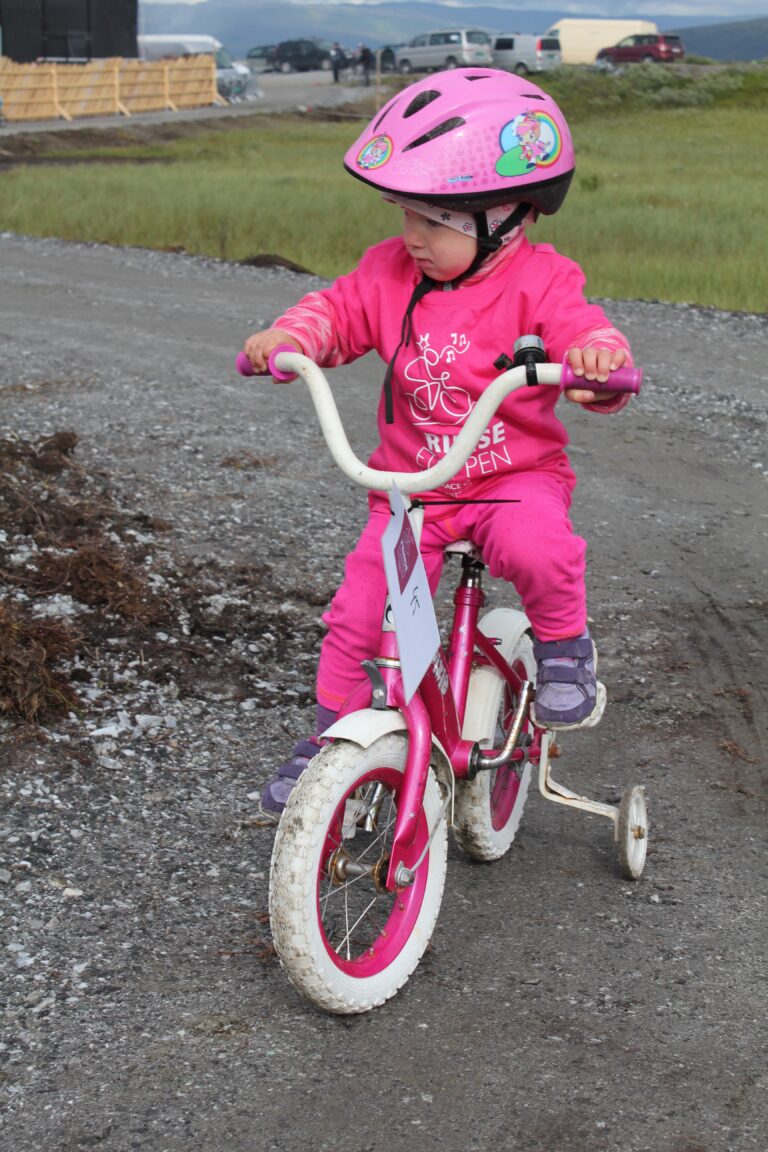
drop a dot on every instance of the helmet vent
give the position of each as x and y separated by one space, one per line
421 101
387 109
440 130
532 96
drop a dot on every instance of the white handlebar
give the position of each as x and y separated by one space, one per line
440 473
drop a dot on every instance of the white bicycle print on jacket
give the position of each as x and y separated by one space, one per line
434 400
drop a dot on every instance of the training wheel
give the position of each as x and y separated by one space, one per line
632 832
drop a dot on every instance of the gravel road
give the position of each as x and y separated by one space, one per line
559 1009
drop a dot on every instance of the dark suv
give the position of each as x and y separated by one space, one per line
301 56
648 48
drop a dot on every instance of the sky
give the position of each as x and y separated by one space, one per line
731 9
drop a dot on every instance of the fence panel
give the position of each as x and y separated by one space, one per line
28 91
192 82
106 87
89 89
144 86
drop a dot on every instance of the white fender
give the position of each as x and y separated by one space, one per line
507 626
368 724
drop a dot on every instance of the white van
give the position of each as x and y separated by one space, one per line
231 78
452 48
516 52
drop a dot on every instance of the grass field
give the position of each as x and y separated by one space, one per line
667 202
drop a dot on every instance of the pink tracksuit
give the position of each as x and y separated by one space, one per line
456 336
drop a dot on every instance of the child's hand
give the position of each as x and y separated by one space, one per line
259 347
593 364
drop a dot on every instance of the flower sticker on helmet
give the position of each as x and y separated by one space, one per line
375 153
532 140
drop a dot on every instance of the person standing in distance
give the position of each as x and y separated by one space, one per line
337 59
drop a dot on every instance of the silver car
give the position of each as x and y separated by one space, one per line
450 48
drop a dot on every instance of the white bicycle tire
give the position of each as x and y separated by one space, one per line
473 815
295 875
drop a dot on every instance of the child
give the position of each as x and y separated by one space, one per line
440 304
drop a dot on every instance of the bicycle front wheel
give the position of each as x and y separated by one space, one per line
345 941
489 808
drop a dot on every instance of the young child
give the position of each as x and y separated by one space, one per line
455 151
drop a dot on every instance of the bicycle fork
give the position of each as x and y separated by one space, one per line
432 711
418 759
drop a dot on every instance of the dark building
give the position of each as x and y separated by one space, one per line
68 29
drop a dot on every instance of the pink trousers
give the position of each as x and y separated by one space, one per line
531 544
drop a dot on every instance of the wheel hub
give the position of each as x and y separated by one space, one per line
342 868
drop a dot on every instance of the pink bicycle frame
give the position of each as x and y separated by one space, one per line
435 710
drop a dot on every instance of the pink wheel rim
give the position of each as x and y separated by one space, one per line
504 793
397 912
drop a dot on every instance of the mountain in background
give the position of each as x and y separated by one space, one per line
242 24
738 40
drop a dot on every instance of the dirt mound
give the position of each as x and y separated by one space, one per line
86 584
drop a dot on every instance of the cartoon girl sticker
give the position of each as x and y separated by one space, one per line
531 140
375 153
532 147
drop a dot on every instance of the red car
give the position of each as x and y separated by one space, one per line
648 48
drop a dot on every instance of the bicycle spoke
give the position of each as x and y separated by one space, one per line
351 930
363 911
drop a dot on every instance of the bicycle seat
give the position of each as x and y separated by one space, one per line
464 548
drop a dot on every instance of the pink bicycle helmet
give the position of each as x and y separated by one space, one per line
468 139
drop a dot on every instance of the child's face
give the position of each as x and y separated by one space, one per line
441 253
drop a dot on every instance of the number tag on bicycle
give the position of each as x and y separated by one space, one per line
418 636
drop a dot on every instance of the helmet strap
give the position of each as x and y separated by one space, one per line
490 242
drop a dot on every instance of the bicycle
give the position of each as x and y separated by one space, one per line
360 854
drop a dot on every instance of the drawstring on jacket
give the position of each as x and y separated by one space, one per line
421 289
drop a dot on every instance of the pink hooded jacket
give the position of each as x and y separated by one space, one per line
456 336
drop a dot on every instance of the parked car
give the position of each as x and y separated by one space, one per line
259 59
648 47
519 53
451 48
387 56
303 56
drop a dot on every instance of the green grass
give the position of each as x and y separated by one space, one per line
670 207
667 202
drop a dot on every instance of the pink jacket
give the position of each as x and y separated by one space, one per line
456 337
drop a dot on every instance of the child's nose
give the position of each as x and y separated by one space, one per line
412 234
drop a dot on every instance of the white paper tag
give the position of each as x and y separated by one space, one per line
418 636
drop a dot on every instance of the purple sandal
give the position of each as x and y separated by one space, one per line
568 695
275 793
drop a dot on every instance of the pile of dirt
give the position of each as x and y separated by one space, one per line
86 584
31 687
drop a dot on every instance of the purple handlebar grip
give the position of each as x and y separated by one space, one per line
621 380
245 368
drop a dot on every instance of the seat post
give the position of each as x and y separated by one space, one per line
471 572
468 599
